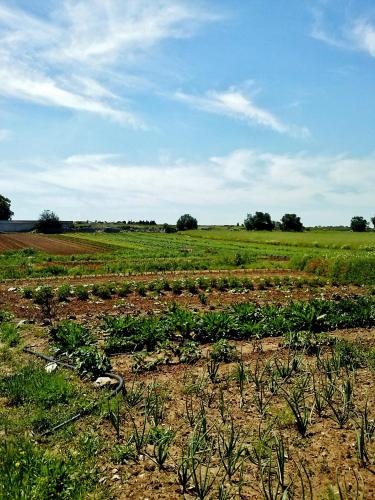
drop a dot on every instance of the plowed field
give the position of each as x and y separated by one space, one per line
48 244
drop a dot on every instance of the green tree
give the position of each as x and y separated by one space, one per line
290 222
5 211
373 221
186 221
358 224
49 223
260 221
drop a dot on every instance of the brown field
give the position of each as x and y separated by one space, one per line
48 244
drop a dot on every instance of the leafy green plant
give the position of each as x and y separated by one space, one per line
67 336
44 297
190 352
81 292
223 351
103 291
122 453
91 362
63 292
309 342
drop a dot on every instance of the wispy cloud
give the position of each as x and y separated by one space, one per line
64 60
220 189
355 33
235 104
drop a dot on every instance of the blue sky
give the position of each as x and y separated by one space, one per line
123 109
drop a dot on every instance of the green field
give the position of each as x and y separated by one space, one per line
340 255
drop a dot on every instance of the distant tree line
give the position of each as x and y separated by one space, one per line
49 222
141 223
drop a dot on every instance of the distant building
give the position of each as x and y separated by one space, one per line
24 226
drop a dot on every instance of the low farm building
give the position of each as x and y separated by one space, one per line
24 226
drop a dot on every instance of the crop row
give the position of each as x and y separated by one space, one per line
240 321
176 286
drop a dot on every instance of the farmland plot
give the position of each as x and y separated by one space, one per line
48 244
244 383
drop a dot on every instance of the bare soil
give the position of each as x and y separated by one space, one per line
48 244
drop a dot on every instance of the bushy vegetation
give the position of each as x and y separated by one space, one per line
241 321
48 223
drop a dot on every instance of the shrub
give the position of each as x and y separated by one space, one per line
42 295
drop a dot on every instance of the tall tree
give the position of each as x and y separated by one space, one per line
186 221
260 221
358 224
5 211
290 222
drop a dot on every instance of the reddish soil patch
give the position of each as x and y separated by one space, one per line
48 244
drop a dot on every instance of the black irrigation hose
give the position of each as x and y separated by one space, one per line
120 386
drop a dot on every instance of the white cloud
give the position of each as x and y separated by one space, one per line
235 104
363 34
322 189
65 60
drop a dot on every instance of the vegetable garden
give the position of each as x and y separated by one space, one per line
254 382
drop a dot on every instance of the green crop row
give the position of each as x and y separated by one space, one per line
240 321
175 286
